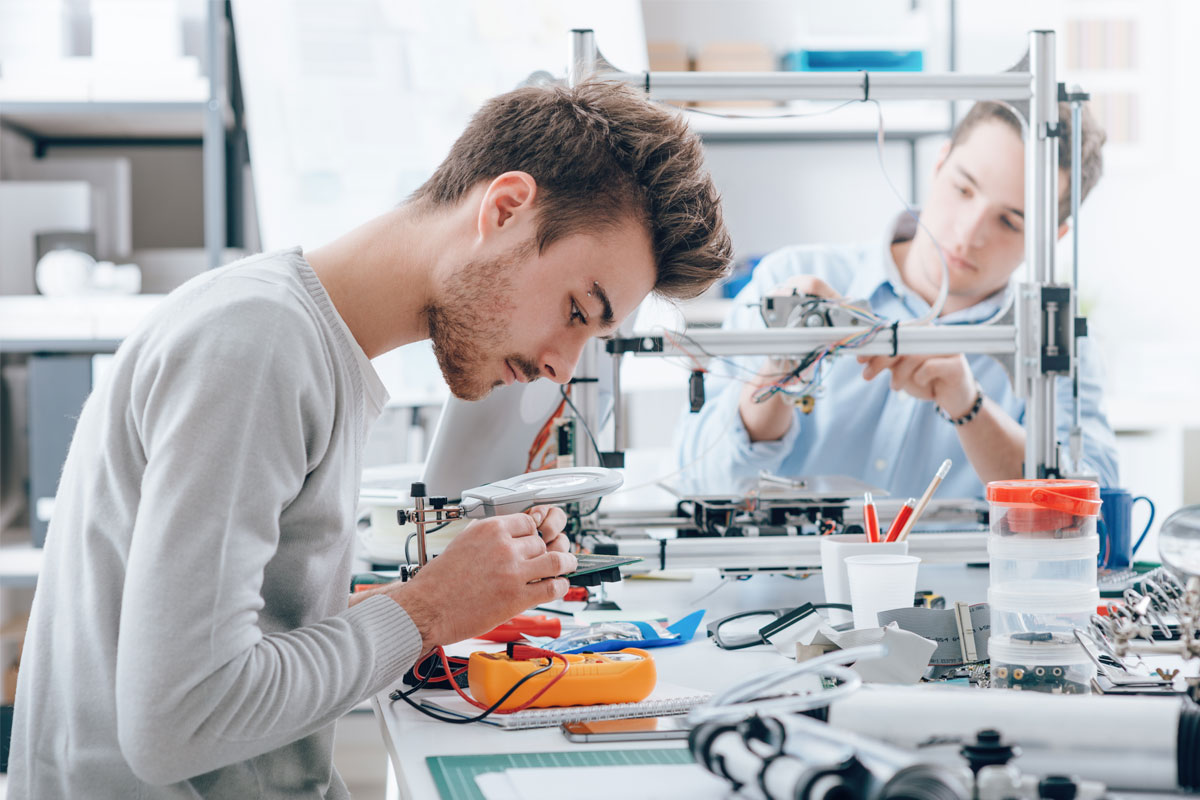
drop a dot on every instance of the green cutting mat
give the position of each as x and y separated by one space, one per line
454 776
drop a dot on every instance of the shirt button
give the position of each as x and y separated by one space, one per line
880 464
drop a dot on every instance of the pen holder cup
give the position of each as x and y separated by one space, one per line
834 552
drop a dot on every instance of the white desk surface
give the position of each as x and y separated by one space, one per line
410 737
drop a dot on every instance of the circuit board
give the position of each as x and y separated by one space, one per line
595 569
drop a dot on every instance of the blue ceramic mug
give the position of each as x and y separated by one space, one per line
1116 528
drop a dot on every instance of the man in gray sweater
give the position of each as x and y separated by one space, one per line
192 635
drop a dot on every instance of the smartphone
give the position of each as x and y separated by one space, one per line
626 730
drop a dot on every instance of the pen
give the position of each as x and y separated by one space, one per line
902 516
870 519
924 501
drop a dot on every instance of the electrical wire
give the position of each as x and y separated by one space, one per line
582 421
935 309
816 357
786 115
487 710
542 439
726 433
411 536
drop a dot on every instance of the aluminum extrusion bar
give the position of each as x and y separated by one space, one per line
911 340
1041 234
784 553
827 85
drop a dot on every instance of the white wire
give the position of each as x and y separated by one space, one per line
659 480
785 115
739 701
939 302
935 309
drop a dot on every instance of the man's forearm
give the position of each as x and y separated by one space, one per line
768 421
401 594
994 443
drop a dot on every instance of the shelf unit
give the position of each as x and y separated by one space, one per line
214 123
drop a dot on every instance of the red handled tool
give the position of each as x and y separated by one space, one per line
519 627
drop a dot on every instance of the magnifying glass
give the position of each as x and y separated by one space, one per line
509 496
547 487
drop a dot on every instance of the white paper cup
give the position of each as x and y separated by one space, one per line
834 550
880 582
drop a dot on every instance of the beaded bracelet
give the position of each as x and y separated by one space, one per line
970 415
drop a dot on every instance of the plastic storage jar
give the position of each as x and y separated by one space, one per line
1053 665
1021 561
1031 610
1043 509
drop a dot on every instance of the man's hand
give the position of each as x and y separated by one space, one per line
550 522
946 380
492 571
805 284
770 420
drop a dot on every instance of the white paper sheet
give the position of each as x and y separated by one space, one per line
641 782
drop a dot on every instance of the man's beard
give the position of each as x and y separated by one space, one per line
475 310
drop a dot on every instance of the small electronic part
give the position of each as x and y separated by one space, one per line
593 569
624 676
1052 678
564 430
806 403
800 310
927 599
696 391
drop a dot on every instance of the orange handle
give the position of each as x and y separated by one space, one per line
1065 503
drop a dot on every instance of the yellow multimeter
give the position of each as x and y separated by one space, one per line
624 676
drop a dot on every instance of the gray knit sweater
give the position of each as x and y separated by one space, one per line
190 635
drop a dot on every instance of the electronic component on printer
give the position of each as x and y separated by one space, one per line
565 433
801 310
696 391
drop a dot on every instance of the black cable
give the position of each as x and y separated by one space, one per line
398 695
407 559
563 391
714 628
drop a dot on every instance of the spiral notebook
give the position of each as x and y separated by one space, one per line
666 699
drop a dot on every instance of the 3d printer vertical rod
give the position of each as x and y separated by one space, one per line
618 417
1076 197
1041 209
583 55
585 394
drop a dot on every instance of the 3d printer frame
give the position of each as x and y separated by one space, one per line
1043 338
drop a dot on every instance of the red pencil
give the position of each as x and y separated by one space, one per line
905 512
870 518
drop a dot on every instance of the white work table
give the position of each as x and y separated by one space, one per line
410 737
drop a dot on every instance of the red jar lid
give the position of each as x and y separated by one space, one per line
1081 498
1021 491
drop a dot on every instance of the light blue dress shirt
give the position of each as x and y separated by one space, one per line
862 428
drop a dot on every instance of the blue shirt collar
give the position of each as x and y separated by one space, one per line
887 282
